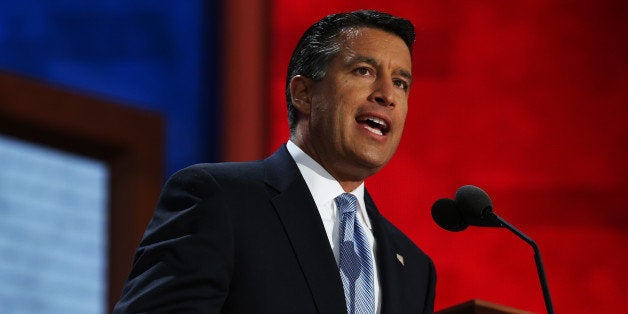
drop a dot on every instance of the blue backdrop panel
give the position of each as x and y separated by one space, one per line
161 56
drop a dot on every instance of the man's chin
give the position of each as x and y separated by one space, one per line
369 167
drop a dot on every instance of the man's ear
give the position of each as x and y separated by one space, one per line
301 94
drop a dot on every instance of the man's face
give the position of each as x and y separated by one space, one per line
359 108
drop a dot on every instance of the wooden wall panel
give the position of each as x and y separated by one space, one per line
130 141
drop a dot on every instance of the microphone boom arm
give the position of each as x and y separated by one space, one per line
537 258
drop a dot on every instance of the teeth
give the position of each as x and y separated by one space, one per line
379 121
375 125
374 130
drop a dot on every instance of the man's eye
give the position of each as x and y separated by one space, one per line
362 71
401 84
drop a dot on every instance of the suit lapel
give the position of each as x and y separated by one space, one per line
298 213
389 264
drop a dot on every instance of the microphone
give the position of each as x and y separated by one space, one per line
473 207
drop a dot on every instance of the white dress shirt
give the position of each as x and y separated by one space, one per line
324 189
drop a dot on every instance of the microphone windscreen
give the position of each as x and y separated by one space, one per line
447 215
473 201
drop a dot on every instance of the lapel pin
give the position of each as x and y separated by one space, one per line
400 259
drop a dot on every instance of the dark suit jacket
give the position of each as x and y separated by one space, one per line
247 238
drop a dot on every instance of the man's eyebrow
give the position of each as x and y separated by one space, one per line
353 59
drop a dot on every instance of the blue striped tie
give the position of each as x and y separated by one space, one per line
356 264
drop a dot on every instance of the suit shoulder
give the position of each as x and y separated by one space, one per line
220 171
205 178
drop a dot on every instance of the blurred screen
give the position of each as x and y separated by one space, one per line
53 230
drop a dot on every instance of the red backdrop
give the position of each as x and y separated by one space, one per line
526 99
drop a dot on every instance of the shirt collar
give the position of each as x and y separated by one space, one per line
322 185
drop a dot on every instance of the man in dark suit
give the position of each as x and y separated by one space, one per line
271 236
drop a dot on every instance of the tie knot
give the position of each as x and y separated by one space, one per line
346 202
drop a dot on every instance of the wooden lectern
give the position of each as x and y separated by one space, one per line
481 307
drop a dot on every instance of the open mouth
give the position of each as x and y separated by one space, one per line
375 125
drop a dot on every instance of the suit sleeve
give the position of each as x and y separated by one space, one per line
184 262
431 290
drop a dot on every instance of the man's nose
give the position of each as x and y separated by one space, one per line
383 93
